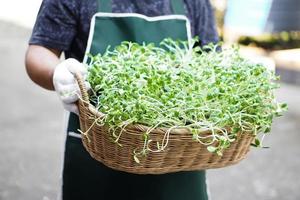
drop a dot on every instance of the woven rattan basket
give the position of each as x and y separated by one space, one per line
181 154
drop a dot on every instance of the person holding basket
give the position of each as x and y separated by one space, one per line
76 28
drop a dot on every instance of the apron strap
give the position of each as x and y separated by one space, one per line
104 6
177 7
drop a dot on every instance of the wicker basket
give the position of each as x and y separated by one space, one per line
181 154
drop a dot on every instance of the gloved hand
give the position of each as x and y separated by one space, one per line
65 83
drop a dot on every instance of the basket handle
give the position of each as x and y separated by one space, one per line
82 87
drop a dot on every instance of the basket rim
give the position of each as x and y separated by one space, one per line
92 109
140 127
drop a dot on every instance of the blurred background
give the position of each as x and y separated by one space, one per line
31 119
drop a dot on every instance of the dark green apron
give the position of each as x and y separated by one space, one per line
87 179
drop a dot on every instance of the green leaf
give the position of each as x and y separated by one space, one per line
211 149
256 143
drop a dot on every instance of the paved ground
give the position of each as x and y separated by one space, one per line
31 140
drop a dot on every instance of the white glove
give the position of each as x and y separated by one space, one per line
65 83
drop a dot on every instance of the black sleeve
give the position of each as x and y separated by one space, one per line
55 26
204 23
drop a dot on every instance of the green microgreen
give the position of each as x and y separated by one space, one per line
174 86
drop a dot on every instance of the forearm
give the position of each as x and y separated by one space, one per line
40 64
